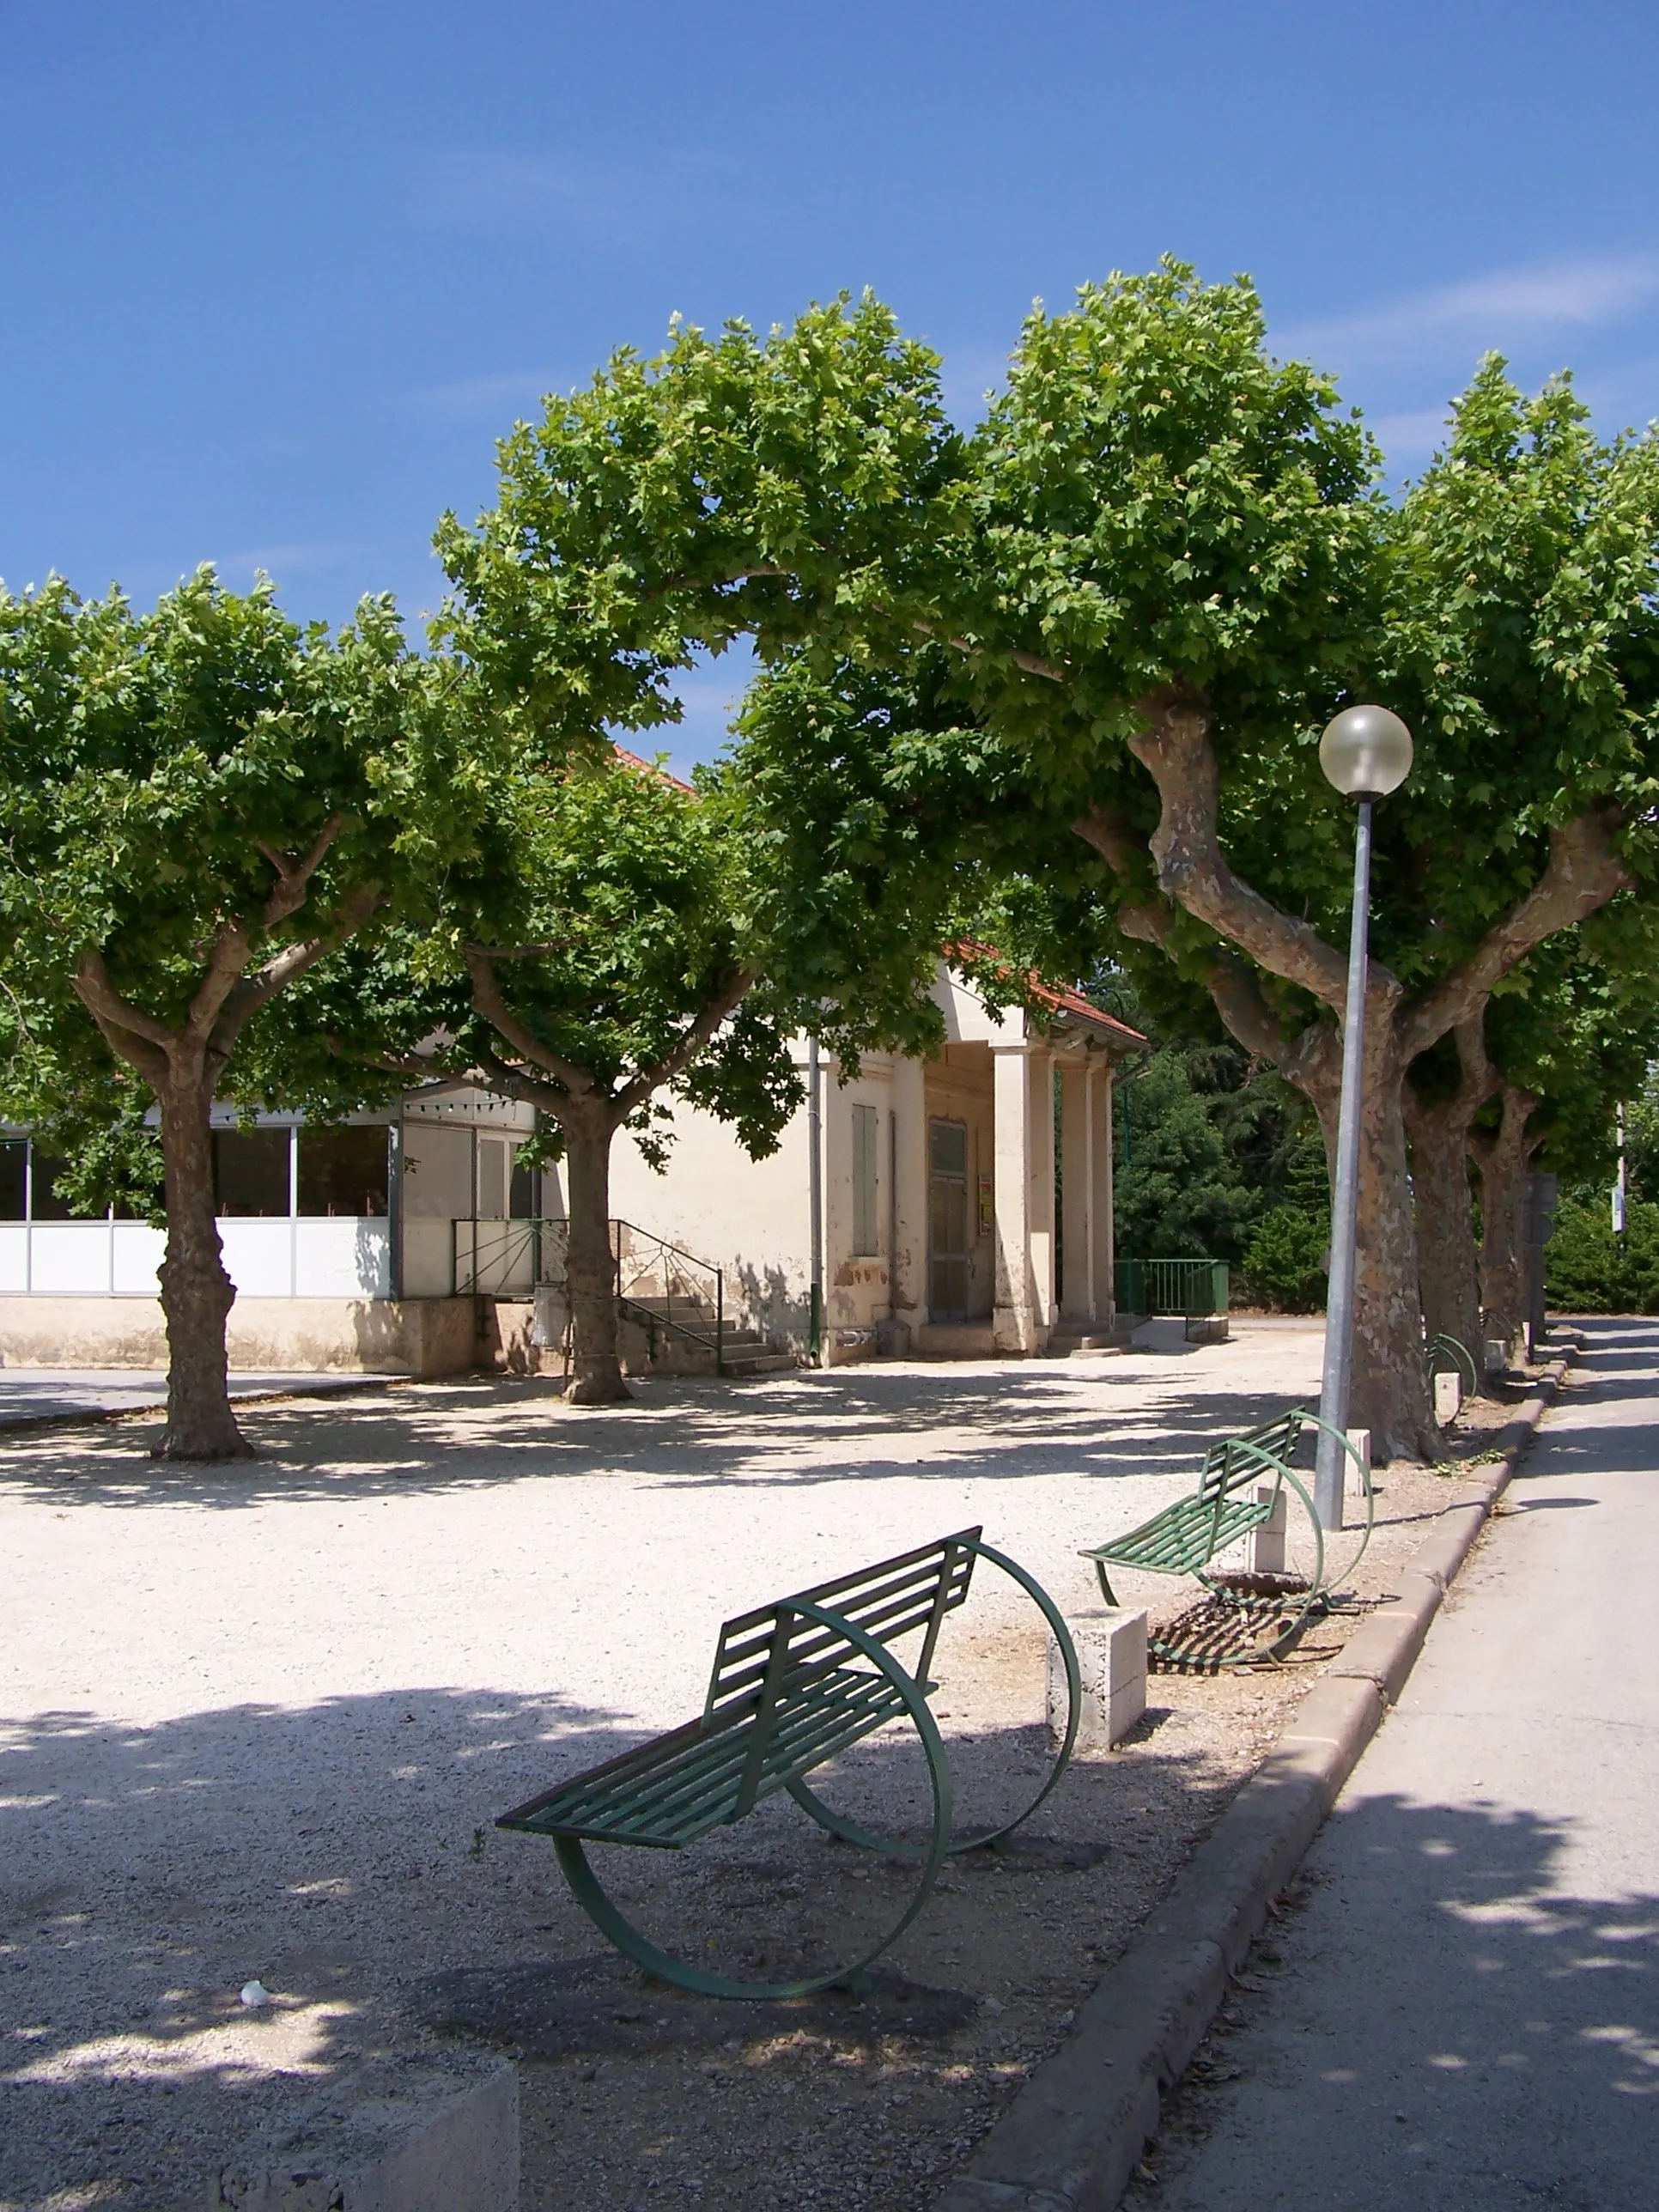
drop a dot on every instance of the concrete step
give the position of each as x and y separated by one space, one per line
956 1339
758 1362
1084 1344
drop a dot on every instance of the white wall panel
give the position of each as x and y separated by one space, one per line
138 1250
71 1259
344 1258
258 1255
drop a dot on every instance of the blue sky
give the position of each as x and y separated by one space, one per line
275 279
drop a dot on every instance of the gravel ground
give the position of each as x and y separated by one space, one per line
260 1720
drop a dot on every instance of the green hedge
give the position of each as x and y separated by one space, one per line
1284 1261
1586 1269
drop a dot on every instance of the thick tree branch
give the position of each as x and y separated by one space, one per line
108 1008
1233 986
293 877
249 992
1030 662
674 1062
1582 873
487 997
1174 747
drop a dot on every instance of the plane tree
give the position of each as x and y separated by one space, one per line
1182 564
191 821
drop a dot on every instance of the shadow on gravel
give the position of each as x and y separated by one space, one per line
824 1429
343 1854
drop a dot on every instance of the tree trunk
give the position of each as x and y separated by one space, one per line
596 1376
1447 1260
197 1294
1388 1393
1505 1159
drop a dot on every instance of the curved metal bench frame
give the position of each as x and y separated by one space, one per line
1446 1352
1299 1606
927 1858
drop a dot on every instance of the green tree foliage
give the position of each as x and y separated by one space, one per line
192 819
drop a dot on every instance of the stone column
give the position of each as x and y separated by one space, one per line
1015 1319
1077 1191
1105 1243
1042 1076
907 1264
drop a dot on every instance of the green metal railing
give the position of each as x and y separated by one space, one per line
1194 1288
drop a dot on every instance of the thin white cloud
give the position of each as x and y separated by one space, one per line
1507 309
1412 436
517 391
302 553
489 191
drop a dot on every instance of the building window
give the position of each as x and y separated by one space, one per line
13 1178
865 1242
250 1173
343 1171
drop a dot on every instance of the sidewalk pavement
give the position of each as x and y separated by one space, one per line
30 1396
1466 2014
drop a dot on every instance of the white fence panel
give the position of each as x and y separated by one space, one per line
138 1249
71 1259
13 1258
258 1255
347 1257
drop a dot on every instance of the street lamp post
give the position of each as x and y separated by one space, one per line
1366 752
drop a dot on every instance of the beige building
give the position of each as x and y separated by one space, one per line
961 1205
957 1205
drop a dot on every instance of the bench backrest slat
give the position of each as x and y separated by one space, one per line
1225 1469
775 1651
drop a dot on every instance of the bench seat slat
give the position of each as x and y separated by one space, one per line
1183 1537
701 1796
669 1792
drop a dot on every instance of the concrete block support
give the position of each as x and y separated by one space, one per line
415 2135
1267 1541
1359 1472
1447 1397
1111 1652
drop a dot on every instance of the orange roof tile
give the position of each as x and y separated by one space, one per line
1059 999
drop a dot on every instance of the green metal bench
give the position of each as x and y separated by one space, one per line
1188 1537
1443 1354
795 1684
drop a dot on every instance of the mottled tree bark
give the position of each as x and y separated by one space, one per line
589 1108
1446 1260
596 1374
1390 1391
1505 1158
184 1063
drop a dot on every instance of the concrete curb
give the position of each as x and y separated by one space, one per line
1070 2141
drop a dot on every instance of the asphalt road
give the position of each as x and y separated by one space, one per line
1465 2012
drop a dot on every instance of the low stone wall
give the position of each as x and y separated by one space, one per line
293 1336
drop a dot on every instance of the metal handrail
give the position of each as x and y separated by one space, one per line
674 1268
506 1241
638 1256
1194 1288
